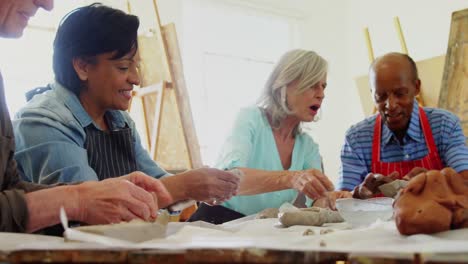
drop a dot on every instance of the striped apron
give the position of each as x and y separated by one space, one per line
110 153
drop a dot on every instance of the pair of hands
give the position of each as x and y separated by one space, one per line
124 198
138 195
209 185
311 182
370 186
316 185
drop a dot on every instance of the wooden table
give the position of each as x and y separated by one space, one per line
218 256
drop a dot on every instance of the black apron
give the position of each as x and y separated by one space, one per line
110 153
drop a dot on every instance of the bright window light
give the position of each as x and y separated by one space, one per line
229 51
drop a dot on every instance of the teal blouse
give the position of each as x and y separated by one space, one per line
251 144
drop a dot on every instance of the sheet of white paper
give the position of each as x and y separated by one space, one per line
13 241
380 237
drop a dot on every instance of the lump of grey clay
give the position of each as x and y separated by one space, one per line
134 231
308 232
268 213
313 216
391 189
326 231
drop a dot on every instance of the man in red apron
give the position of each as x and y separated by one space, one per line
402 139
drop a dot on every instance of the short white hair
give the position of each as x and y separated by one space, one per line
305 66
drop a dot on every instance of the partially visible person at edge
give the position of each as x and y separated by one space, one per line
278 159
28 207
402 139
80 131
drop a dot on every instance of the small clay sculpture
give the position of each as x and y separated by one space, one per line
313 216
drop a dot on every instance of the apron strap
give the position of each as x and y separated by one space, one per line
427 131
376 142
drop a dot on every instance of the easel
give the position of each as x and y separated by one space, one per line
454 88
166 110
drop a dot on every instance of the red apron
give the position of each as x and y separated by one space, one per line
431 161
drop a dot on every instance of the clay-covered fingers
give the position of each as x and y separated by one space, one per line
220 193
208 184
369 180
111 200
365 189
382 179
316 183
415 171
365 193
231 180
228 177
372 181
311 190
333 196
323 182
321 202
370 186
127 215
140 202
151 185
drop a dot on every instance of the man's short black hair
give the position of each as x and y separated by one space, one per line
414 69
87 32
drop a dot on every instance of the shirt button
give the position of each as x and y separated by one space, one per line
406 156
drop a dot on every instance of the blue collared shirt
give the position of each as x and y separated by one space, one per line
50 137
356 154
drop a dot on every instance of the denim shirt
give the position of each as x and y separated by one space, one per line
50 139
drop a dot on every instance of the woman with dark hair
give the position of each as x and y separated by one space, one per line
79 130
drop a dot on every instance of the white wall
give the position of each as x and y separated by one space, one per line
323 32
228 50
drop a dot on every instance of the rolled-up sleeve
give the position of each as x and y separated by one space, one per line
353 166
14 211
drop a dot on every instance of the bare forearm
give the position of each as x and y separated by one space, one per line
44 206
260 181
176 188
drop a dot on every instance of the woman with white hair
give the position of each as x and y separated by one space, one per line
267 144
